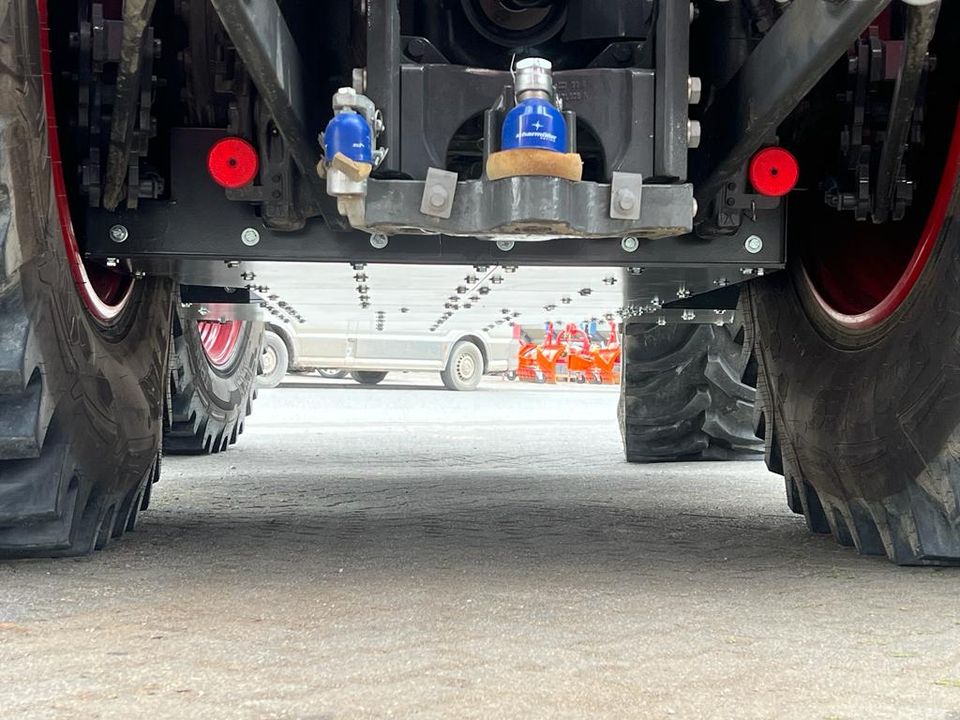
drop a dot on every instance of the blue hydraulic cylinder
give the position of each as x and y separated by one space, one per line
534 123
349 133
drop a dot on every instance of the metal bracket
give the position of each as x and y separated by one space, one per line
625 193
439 191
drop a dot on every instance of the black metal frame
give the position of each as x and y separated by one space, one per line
200 224
424 103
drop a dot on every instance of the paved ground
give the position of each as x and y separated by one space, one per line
403 551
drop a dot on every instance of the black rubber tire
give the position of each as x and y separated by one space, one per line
80 403
207 406
452 376
273 343
368 377
864 427
686 394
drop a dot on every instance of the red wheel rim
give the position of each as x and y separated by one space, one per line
220 340
104 292
845 302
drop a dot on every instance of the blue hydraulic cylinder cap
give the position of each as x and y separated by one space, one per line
349 133
534 123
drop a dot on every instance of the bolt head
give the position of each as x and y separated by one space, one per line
119 234
250 237
505 245
753 244
438 197
630 244
378 241
626 200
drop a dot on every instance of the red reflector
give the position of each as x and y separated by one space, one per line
774 172
233 162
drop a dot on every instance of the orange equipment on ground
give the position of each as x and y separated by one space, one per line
607 359
570 357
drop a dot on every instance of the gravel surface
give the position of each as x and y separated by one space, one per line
404 551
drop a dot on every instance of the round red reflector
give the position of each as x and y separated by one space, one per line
774 172
233 162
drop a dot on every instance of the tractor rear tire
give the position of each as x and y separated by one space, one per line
865 425
81 390
857 344
687 394
208 403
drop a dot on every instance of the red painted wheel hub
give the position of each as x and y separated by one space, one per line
220 340
104 292
862 279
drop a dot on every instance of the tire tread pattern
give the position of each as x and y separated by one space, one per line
686 395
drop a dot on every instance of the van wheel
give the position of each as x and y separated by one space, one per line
274 360
464 369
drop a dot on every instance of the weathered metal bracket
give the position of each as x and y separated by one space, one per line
626 194
541 207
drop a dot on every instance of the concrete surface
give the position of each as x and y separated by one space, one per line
403 551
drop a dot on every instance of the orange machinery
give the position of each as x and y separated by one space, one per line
569 357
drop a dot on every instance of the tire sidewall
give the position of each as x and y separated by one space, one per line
105 385
879 404
222 391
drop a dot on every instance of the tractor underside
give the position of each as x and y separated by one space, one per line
770 186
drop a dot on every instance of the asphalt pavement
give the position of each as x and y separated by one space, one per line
404 551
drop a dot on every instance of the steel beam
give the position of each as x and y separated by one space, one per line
921 23
672 47
800 48
383 73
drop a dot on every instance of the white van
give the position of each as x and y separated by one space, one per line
462 358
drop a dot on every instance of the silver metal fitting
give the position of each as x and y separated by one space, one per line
693 133
694 90
533 77
378 241
630 244
505 245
